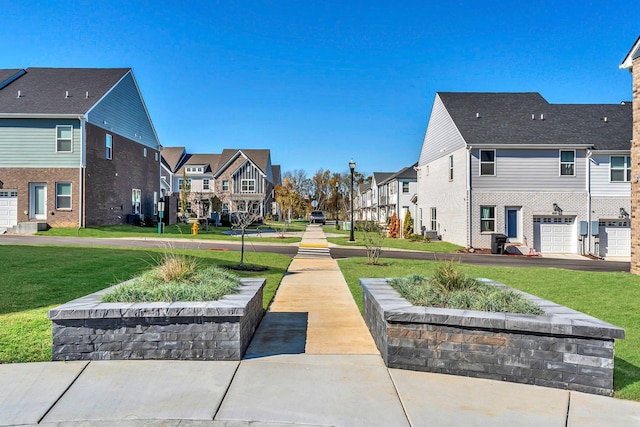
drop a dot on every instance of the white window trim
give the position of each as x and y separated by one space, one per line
560 162
136 201
434 218
408 187
64 139
627 167
181 180
223 184
242 185
481 163
144 151
493 218
108 138
206 184
70 196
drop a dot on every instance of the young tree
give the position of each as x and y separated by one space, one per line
373 236
407 228
185 189
394 226
290 202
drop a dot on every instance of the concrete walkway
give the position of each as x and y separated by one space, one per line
312 362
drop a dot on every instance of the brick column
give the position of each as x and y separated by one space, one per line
635 172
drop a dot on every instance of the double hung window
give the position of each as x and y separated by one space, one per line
487 219
64 139
620 169
487 162
63 195
567 163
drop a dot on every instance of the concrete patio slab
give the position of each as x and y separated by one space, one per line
29 390
345 390
448 400
588 410
129 390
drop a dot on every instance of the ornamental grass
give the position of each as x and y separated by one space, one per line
451 288
177 278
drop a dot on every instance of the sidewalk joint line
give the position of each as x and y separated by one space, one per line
215 414
64 392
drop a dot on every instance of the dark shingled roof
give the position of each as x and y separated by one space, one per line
277 174
516 118
209 161
8 75
381 176
171 157
259 157
42 90
406 173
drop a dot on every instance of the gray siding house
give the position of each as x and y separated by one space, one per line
77 147
236 180
552 177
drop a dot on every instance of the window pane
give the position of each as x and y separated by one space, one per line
617 175
64 145
486 225
566 169
617 162
486 212
64 132
487 156
567 156
487 169
64 189
628 175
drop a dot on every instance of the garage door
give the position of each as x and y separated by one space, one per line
8 208
615 238
555 234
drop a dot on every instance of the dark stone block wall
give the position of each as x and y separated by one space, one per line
562 349
85 329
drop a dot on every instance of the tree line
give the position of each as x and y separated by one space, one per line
329 189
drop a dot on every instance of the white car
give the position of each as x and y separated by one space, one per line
317 217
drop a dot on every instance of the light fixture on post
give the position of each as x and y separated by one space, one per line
556 209
160 215
352 167
337 188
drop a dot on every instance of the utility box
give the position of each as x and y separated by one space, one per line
346 225
583 228
595 228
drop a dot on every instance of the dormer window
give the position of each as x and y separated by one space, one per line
194 169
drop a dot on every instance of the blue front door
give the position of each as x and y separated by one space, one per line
512 223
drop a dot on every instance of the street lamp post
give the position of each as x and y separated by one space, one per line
337 188
352 167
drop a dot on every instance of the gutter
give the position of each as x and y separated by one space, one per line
469 205
82 172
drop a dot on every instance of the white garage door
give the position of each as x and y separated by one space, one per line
615 238
8 208
555 234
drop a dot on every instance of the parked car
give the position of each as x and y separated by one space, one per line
317 217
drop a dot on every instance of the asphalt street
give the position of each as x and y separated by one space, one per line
337 252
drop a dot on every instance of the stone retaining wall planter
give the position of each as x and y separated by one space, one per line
563 348
87 329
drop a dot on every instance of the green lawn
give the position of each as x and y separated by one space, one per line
182 231
612 297
388 243
37 278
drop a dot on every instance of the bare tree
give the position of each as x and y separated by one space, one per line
242 220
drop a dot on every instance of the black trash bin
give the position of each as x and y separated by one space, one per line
498 242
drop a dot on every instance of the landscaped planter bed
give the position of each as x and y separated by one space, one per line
87 329
563 348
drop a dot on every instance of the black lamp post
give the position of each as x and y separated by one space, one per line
352 167
337 188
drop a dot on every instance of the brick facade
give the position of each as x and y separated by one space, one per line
635 172
109 183
20 178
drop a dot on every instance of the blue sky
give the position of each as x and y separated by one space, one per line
321 82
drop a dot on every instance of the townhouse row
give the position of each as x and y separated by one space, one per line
78 148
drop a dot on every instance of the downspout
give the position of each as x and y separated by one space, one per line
588 183
82 173
469 205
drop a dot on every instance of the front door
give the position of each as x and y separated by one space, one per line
512 223
38 200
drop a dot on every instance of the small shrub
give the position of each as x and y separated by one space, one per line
450 288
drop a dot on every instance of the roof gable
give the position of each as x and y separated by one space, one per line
260 158
634 53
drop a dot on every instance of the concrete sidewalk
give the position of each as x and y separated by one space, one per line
312 362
